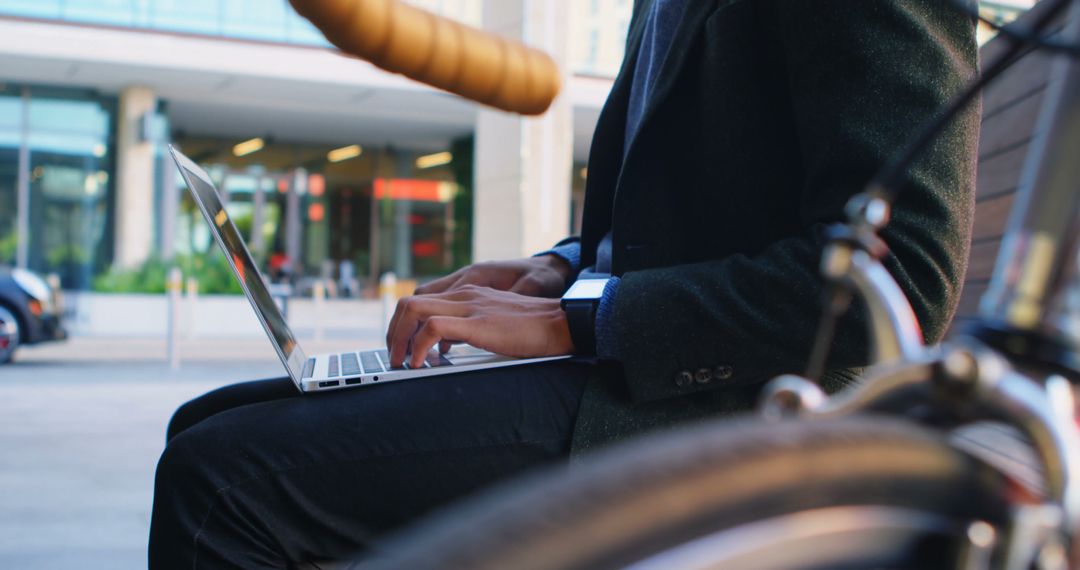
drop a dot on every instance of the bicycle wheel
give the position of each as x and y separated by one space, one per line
852 493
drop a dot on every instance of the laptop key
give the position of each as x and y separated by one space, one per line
385 357
370 362
334 368
435 360
349 365
309 368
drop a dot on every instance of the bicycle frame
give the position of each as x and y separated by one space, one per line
1018 363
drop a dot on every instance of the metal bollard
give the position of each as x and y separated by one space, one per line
318 294
173 290
388 290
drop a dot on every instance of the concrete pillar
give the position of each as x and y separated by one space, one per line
403 168
134 178
22 187
258 213
523 165
169 206
293 221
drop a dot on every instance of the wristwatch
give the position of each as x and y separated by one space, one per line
580 303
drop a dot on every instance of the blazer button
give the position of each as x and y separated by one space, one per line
703 376
684 379
724 372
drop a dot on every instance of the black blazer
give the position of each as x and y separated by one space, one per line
767 116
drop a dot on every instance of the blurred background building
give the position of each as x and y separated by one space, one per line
324 159
1000 12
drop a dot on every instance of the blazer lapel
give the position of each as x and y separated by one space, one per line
697 11
606 164
613 115
606 153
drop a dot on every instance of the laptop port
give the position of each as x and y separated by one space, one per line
353 381
328 384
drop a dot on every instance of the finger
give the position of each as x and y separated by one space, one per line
527 285
479 275
445 346
412 312
398 309
439 285
434 330
397 344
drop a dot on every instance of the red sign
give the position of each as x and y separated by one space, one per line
416 190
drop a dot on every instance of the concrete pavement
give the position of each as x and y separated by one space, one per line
81 427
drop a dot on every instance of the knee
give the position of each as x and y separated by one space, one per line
182 489
190 472
184 417
179 464
198 458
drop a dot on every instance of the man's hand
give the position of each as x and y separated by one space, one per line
500 321
543 276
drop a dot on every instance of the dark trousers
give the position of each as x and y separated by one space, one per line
255 475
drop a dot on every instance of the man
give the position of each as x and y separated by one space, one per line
735 131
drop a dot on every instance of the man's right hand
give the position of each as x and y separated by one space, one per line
542 276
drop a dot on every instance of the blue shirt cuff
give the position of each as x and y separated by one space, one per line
605 329
571 253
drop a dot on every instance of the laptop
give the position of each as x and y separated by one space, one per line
322 371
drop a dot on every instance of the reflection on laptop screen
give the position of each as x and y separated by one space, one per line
243 264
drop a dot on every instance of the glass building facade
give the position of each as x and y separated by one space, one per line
56 185
1000 12
258 20
65 197
313 217
598 27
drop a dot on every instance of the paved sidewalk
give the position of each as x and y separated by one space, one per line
82 424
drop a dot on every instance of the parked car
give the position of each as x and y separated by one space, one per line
30 311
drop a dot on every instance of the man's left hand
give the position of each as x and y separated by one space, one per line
499 321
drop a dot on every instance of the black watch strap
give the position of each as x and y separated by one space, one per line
581 317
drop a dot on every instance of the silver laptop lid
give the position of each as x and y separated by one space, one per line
206 196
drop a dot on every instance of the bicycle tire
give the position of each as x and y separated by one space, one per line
663 492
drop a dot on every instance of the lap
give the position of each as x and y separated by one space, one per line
489 407
391 452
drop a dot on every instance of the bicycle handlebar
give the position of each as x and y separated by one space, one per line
469 62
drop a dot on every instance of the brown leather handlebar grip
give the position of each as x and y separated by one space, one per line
440 52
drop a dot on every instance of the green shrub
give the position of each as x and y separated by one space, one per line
9 244
212 271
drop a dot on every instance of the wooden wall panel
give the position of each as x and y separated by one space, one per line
991 216
1010 110
969 299
1000 173
1010 127
1025 76
981 262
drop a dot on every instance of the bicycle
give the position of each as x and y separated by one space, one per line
870 477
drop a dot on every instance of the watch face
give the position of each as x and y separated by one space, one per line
586 289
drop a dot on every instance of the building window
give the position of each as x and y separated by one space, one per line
56 182
10 135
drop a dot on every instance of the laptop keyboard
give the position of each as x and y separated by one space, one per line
373 362
349 364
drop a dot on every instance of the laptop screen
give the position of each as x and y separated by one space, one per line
206 195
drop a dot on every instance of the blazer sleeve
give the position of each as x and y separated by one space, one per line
862 76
